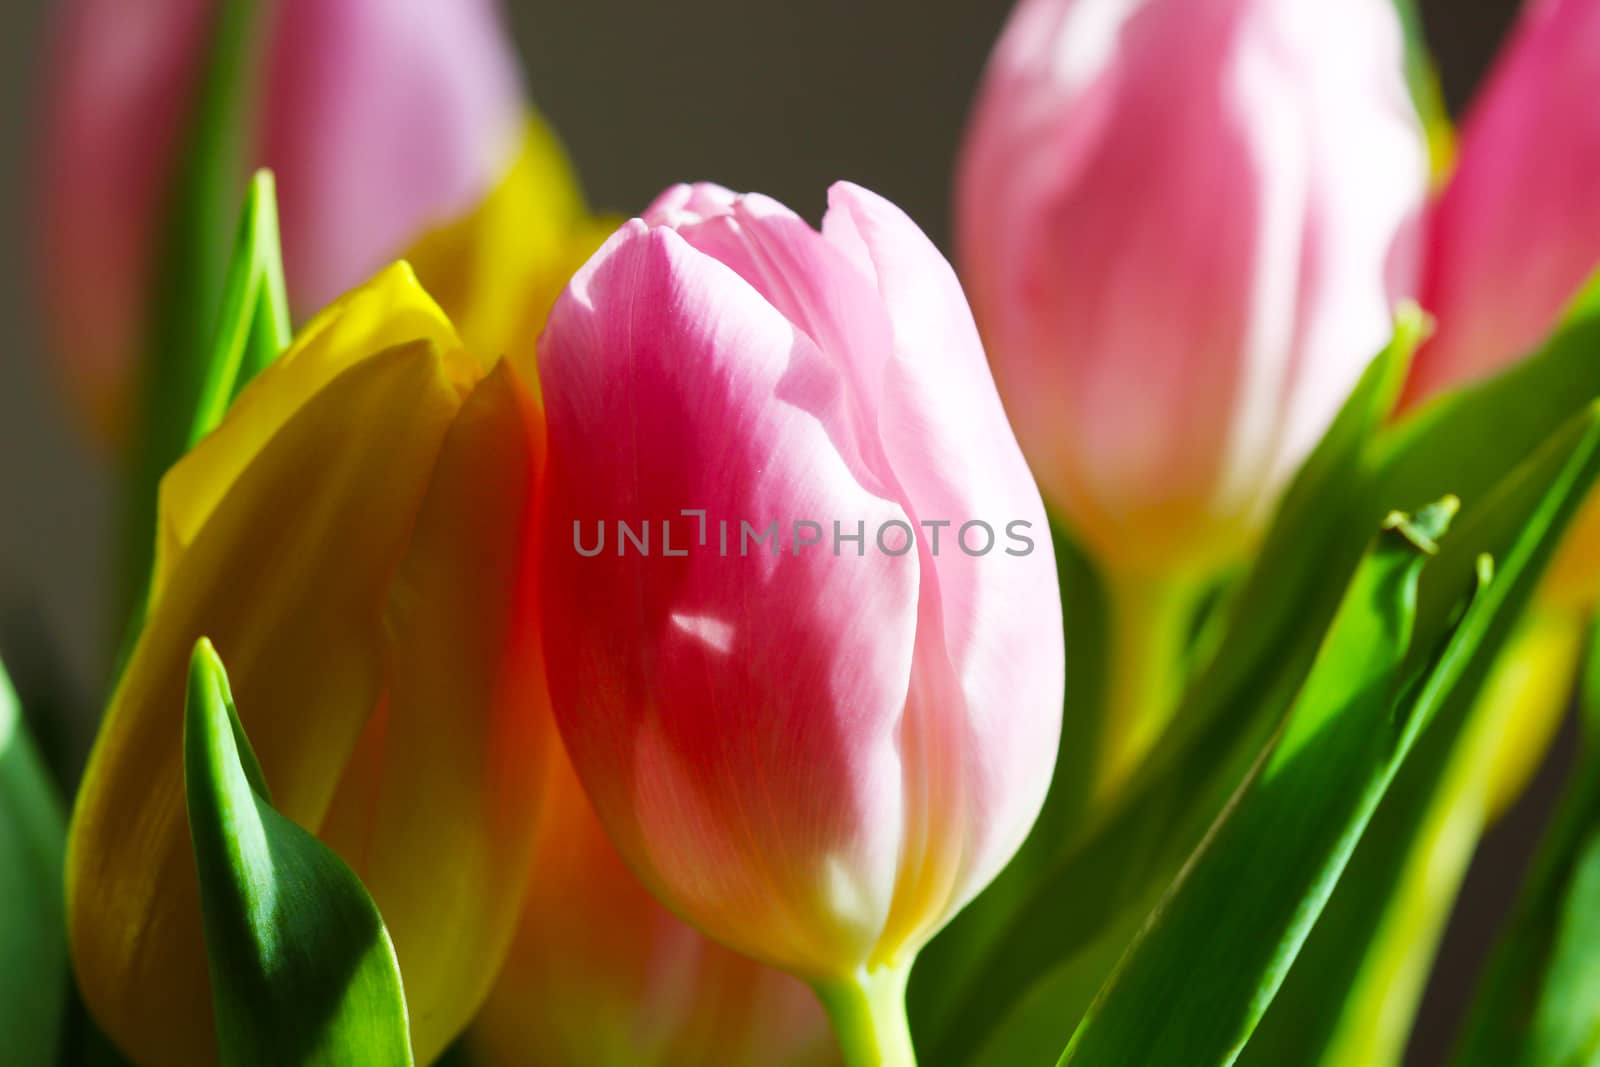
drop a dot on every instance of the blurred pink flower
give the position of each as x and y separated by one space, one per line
1183 224
380 117
1517 230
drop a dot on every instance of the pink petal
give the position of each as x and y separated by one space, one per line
733 718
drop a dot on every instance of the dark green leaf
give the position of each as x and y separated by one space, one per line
187 280
1394 658
33 942
302 969
1538 1004
1063 894
1245 901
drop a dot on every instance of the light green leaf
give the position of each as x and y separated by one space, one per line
302 969
253 326
33 942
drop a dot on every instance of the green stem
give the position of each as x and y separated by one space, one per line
1150 620
186 285
868 1012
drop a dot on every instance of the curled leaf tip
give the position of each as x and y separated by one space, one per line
1424 527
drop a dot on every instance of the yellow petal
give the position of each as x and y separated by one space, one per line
389 310
300 532
498 270
1528 691
436 812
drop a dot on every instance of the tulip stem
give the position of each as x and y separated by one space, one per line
1151 621
868 1012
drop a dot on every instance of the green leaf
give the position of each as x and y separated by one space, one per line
1271 628
1538 1004
1063 893
252 329
254 323
1395 657
33 943
1353 992
187 281
302 969
1469 439
1253 889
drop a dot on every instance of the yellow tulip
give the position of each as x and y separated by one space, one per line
498 271
353 538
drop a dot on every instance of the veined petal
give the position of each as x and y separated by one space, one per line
436 808
671 383
985 714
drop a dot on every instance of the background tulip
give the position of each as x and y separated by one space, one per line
1183 224
1517 229
380 117
352 538
600 974
816 757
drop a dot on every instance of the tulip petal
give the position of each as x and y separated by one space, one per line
990 661
497 272
671 384
283 576
389 310
601 972
436 807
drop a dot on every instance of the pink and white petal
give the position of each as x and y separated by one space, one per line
998 615
733 717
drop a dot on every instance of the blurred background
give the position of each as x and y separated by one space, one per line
756 94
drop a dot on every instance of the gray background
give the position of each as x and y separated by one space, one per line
782 97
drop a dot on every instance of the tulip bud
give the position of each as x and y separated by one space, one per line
380 118
352 538
600 972
1182 222
812 679
1517 230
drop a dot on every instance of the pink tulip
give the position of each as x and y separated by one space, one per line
1183 223
816 746
1517 230
381 118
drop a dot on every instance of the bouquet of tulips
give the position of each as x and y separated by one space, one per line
717 640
